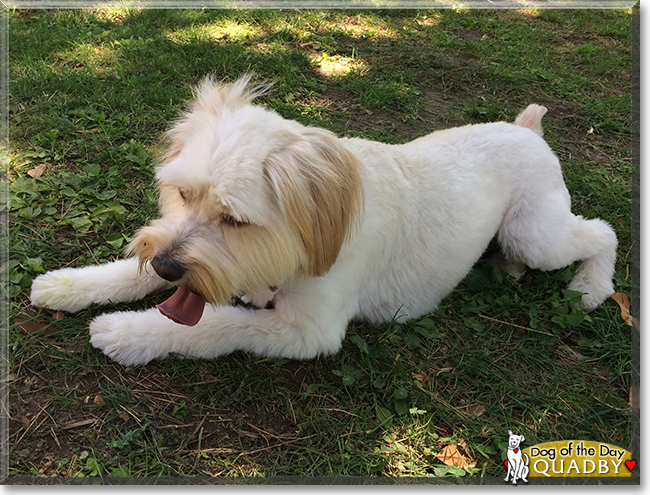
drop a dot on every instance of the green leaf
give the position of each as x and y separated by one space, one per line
379 383
120 472
486 450
412 341
347 380
574 318
400 393
92 169
36 265
312 388
68 192
427 328
106 195
115 240
401 407
474 324
361 344
426 323
449 471
29 213
375 468
93 465
80 224
398 369
384 416
560 320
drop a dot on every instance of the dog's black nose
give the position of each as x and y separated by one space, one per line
168 269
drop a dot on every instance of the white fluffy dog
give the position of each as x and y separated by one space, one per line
317 230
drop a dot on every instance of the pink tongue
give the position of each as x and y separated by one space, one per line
184 307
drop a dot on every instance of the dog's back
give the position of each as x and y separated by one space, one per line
441 197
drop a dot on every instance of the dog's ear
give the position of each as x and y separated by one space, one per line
319 189
521 438
509 432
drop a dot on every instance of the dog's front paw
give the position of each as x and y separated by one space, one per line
59 290
128 338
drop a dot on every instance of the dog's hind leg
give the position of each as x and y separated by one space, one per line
73 289
544 234
515 269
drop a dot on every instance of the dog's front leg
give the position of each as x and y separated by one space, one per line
73 289
132 338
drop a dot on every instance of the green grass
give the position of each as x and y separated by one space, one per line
91 94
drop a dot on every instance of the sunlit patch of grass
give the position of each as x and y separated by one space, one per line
360 26
528 12
427 20
101 58
338 65
224 30
116 15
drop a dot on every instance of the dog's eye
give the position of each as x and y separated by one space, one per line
182 194
232 221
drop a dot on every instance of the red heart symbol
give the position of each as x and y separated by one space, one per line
516 450
630 465
506 463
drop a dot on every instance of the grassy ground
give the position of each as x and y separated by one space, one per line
91 93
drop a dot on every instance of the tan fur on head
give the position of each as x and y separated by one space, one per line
319 186
221 259
247 205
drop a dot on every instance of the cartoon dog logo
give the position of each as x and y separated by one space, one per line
515 464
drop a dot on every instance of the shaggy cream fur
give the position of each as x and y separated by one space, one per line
325 230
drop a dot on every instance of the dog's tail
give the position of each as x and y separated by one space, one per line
532 118
526 461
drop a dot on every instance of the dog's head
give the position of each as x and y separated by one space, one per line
514 440
247 198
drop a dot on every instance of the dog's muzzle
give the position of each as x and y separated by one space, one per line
167 269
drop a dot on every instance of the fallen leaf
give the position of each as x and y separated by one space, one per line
590 131
45 467
568 355
99 400
419 377
28 321
624 303
26 421
125 417
626 74
58 315
451 457
476 409
37 171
